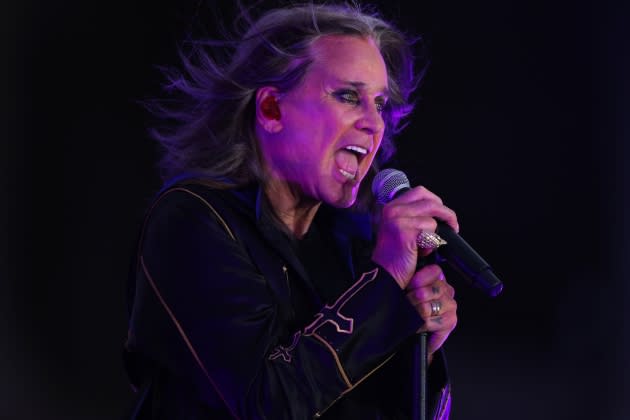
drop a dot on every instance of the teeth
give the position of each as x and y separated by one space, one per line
357 149
347 174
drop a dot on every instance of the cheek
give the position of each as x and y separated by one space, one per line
378 143
379 139
367 162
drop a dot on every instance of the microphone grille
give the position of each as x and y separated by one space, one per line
387 183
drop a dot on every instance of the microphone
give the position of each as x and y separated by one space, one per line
389 184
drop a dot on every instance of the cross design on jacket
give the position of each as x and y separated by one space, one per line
331 313
285 352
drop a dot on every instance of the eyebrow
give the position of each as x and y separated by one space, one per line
362 85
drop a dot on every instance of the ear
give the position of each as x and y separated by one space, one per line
267 109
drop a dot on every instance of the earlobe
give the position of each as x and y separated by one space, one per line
272 126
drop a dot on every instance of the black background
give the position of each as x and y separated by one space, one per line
521 127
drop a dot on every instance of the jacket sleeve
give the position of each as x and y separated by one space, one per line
205 313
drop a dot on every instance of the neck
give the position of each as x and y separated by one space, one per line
294 210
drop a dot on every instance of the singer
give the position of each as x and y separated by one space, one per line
263 286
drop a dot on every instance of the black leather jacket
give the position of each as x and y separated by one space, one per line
216 330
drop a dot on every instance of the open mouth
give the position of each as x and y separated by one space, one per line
358 151
348 160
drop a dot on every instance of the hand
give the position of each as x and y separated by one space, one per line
426 286
402 220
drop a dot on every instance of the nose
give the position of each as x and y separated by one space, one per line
371 120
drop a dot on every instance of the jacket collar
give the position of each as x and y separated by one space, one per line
346 225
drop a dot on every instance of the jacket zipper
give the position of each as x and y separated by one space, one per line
285 270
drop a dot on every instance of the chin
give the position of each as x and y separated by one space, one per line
345 199
346 204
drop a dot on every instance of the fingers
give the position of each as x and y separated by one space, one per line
418 193
429 285
432 296
439 329
429 275
423 297
442 324
401 221
435 310
419 201
414 212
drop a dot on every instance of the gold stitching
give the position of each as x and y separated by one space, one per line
367 375
144 225
216 213
183 334
336 357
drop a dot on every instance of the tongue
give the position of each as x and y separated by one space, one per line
347 161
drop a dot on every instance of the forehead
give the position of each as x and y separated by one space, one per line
349 59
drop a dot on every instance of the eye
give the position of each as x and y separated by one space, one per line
381 103
347 96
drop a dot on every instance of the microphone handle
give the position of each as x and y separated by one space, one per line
466 261
460 256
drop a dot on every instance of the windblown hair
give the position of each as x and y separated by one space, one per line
209 119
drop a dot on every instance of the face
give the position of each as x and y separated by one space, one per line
330 126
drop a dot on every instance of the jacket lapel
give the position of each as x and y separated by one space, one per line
344 225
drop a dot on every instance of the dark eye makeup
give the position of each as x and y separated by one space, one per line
348 96
352 97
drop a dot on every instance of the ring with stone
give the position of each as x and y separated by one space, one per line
429 240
